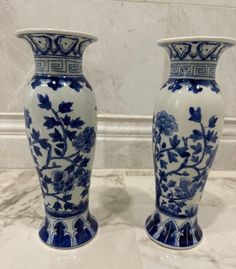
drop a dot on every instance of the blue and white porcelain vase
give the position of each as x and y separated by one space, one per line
187 125
60 118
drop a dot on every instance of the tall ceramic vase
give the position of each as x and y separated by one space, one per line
60 119
187 125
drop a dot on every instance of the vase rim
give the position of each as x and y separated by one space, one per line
24 31
197 38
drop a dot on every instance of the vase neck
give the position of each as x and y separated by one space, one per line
194 59
193 69
58 66
58 53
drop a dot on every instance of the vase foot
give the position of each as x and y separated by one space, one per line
70 232
173 233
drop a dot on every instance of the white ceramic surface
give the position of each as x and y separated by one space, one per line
61 123
187 124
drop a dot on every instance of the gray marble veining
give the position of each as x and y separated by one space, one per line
120 200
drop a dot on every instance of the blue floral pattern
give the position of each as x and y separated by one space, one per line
63 129
28 120
55 83
165 123
192 85
61 141
193 65
185 138
175 157
181 168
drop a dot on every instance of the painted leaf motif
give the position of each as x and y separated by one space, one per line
194 87
55 83
44 102
174 141
60 145
70 168
71 134
37 151
182 151
195 114
196 135
65 107
172 156
197 148
211 136
209 149
76 123
164 187
163 164
66 120
84 193
58 152
57 206
56 136
77 159
44 143
35 135
50 122
212 122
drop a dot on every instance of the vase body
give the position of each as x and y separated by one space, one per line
60 119
187 125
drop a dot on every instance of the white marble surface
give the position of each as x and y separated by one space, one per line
125 66
121 200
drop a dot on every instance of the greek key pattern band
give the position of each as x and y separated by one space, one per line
194 70
58 66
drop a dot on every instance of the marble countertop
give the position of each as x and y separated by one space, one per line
121 200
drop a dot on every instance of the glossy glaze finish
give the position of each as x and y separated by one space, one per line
60 119
187 125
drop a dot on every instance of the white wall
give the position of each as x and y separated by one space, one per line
125 67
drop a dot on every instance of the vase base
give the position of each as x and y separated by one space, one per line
66 233
173 233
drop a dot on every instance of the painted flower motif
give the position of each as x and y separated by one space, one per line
186 189
28 119
166 123
62 181
85 140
